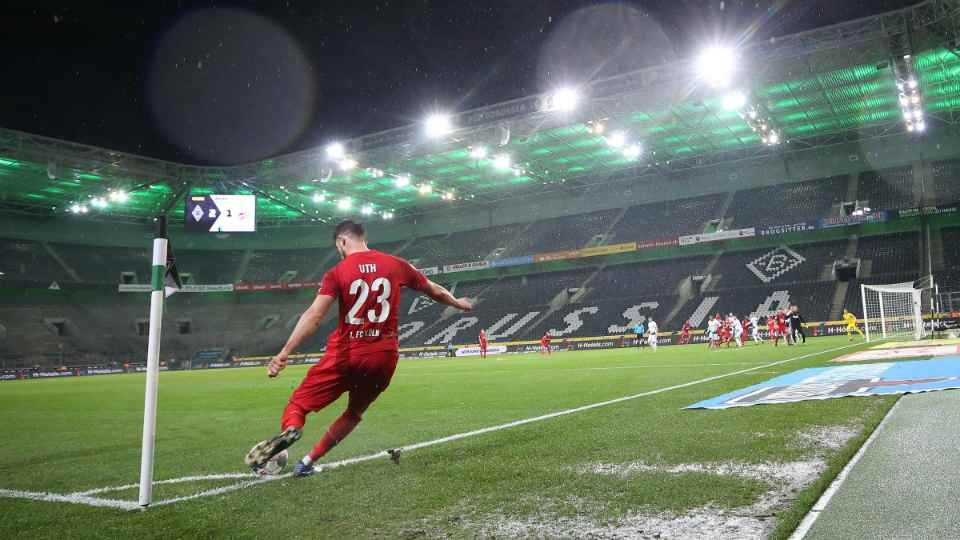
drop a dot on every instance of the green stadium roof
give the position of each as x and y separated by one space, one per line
815 88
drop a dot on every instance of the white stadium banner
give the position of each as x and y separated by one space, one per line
463 267
430 270
716 236
475 351
141 287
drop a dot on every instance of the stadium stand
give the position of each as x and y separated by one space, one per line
892 257
639 279
946 180
783 264
427 251
272 266
23 260
795 202
668 219
887 189
468 246
949 279
105 264
555 234
110 325
210 266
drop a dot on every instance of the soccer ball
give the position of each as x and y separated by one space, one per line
275 465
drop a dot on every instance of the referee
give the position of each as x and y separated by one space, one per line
638 330
796 325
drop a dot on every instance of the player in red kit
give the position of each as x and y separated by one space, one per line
685 333
774 329
545 343
483 343
361 353
782 326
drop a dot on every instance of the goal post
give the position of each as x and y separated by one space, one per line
896 309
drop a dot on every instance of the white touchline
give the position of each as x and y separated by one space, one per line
821 503
83 497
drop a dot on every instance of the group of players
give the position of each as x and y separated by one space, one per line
786 323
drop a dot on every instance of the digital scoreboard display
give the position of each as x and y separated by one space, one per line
221 213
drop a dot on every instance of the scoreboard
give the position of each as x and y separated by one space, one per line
221 213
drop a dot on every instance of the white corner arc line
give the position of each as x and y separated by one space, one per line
808 520
194 478
72 498
83 497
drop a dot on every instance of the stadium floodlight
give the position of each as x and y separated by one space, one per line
375 172
402 180
633 151
387 215
366 210
716 66
75 209
911 83
344 203
596 127
347 164
336 151
564 99
425 189
734 101
617 139
478 152
921 126
319 198
119 196
773 138
437 125
98 202
501 162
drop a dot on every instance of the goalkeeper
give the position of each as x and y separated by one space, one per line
851 321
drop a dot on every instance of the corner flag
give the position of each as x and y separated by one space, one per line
164 281
171 278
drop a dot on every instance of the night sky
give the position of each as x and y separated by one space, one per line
233 82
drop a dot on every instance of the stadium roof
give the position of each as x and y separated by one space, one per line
816 88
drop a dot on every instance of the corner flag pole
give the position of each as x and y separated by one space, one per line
153 362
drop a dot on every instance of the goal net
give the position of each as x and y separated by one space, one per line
896 309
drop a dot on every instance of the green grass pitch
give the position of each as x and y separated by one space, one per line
72 435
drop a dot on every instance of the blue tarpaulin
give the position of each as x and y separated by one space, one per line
855 380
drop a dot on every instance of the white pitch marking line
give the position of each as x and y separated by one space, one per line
73 498
195 478
814 513
127 505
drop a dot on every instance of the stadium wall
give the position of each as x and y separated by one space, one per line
787 167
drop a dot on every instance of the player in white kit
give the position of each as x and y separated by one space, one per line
737 330
755 329
652 334
713 325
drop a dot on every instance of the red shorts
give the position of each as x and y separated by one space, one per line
364 377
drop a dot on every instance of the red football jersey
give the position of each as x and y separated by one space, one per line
367 285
